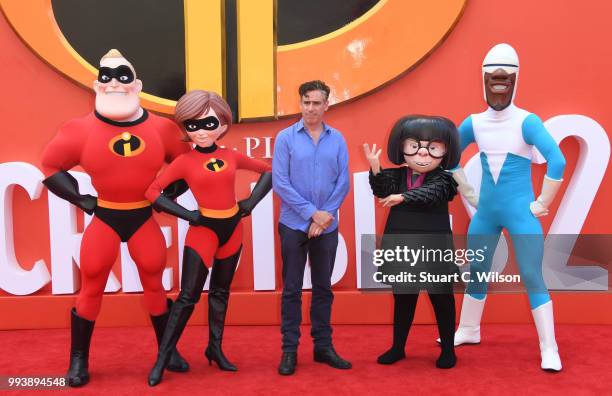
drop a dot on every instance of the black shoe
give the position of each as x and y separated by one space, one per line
447 359
329 356
80 330
393 355
287 363
214 354
177 363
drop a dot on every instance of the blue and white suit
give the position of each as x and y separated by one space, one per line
505 140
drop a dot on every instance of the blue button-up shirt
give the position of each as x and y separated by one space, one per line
308 176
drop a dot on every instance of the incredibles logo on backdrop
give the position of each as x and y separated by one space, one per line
256 53
126 145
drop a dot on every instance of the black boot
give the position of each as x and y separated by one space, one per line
444 308
403 314
192 281
177 363
80 332
218 298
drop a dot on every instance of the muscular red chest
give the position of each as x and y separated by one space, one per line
122 160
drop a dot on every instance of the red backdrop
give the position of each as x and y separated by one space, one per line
565 69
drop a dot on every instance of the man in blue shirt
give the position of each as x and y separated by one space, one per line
310 175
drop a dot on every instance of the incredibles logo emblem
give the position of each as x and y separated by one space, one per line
215 165
126 145
254 52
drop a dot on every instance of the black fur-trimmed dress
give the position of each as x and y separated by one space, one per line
421 222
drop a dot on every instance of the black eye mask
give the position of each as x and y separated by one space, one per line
208 124
123 74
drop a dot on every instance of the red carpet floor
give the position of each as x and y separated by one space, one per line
507 362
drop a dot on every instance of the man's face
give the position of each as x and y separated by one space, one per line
499 88
117 90
313 104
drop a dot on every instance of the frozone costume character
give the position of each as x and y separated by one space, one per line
418 192
214 238
121 147
506 136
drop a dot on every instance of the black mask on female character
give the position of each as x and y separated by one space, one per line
208 124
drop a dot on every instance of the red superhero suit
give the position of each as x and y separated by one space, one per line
122 148
122 159
214 238
210 174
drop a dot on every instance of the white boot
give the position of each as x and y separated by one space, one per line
545 325
468 331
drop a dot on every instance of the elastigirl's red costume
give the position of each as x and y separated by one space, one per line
210 174
122 159
214 240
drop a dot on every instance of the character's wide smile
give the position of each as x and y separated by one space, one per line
116 93
423 164
499 88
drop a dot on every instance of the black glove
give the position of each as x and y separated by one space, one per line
65 186
176 189
263 186
165 204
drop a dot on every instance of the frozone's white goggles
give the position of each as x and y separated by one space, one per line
507 67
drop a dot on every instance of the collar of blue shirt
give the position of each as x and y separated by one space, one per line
301 128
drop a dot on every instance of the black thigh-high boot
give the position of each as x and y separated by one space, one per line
192 281
218 298
80 334
177 363
444 308
403 314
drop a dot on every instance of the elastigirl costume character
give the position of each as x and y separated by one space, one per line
506 136
122 147
418 193
214 238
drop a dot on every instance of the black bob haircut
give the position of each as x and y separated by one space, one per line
420 127
316 85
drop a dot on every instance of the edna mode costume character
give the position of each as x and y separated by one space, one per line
215 235
418 193
506 135
122 147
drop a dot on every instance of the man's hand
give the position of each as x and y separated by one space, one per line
315 230
391 200
322 218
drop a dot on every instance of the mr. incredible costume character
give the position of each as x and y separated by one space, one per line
506 136
214 238
122 147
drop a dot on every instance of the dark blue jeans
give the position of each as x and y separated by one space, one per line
295 246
